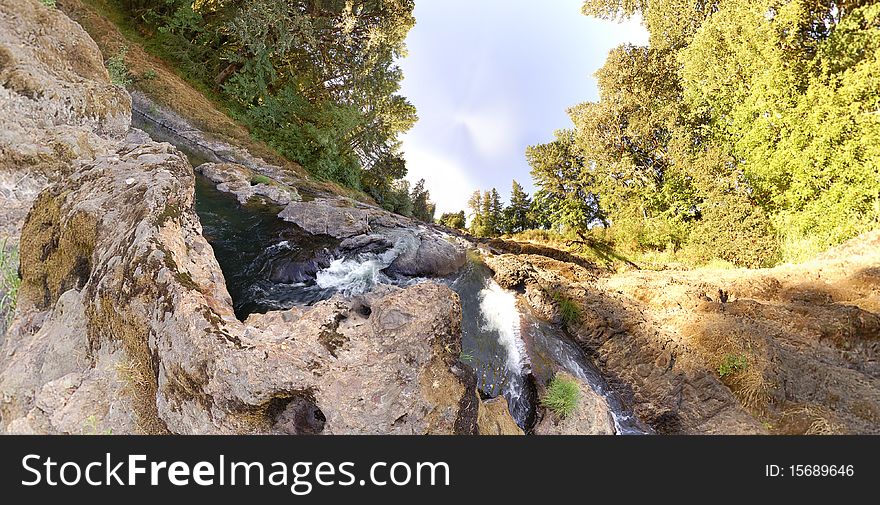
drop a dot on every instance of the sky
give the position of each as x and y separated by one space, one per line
491 77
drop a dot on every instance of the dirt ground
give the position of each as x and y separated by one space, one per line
788 350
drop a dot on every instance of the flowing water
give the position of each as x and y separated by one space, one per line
492 343
273 265
550 350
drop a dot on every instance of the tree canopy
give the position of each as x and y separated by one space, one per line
316 79
746 130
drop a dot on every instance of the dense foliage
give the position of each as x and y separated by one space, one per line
747 130
315 79
456 220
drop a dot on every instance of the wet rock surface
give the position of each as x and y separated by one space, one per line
494 418
592 416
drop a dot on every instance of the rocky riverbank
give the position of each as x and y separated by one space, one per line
789 350
125 322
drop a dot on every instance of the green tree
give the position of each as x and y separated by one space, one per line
478 218
453 220
565 195
518 215
317 80
422 207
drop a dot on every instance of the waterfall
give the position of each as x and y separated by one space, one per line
501 316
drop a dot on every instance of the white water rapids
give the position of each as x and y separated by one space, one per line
356 276
501 315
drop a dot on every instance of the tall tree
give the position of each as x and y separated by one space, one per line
518 215
423 208
566 186
478 224
316 79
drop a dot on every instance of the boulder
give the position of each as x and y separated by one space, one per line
243 183
592 416
120 288
493 418
338 217
422 251
434 256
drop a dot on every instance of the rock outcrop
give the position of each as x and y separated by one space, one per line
57 104
638 361
592 416
116 272
493 418
789 350
245 184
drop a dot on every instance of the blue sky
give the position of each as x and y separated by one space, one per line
491 77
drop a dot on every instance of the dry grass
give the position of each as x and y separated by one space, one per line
137 371
741 361
810 420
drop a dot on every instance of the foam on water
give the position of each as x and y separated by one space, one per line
356 276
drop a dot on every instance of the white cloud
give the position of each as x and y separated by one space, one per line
494 131
448 182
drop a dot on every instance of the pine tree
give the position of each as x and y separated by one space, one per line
488 218
496 211
422 207
478 224
518 214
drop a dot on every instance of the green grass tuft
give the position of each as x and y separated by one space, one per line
260 179
48 3
733 364
118 69
562 397
9 280
569 310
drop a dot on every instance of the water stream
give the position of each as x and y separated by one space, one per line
492 343
273 265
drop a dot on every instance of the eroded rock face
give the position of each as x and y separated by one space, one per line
124 323
592 416
647 368
807 334
57 104
120 243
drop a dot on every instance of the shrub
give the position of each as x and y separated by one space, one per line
733 364
734 231
569 310
119 74
562 396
